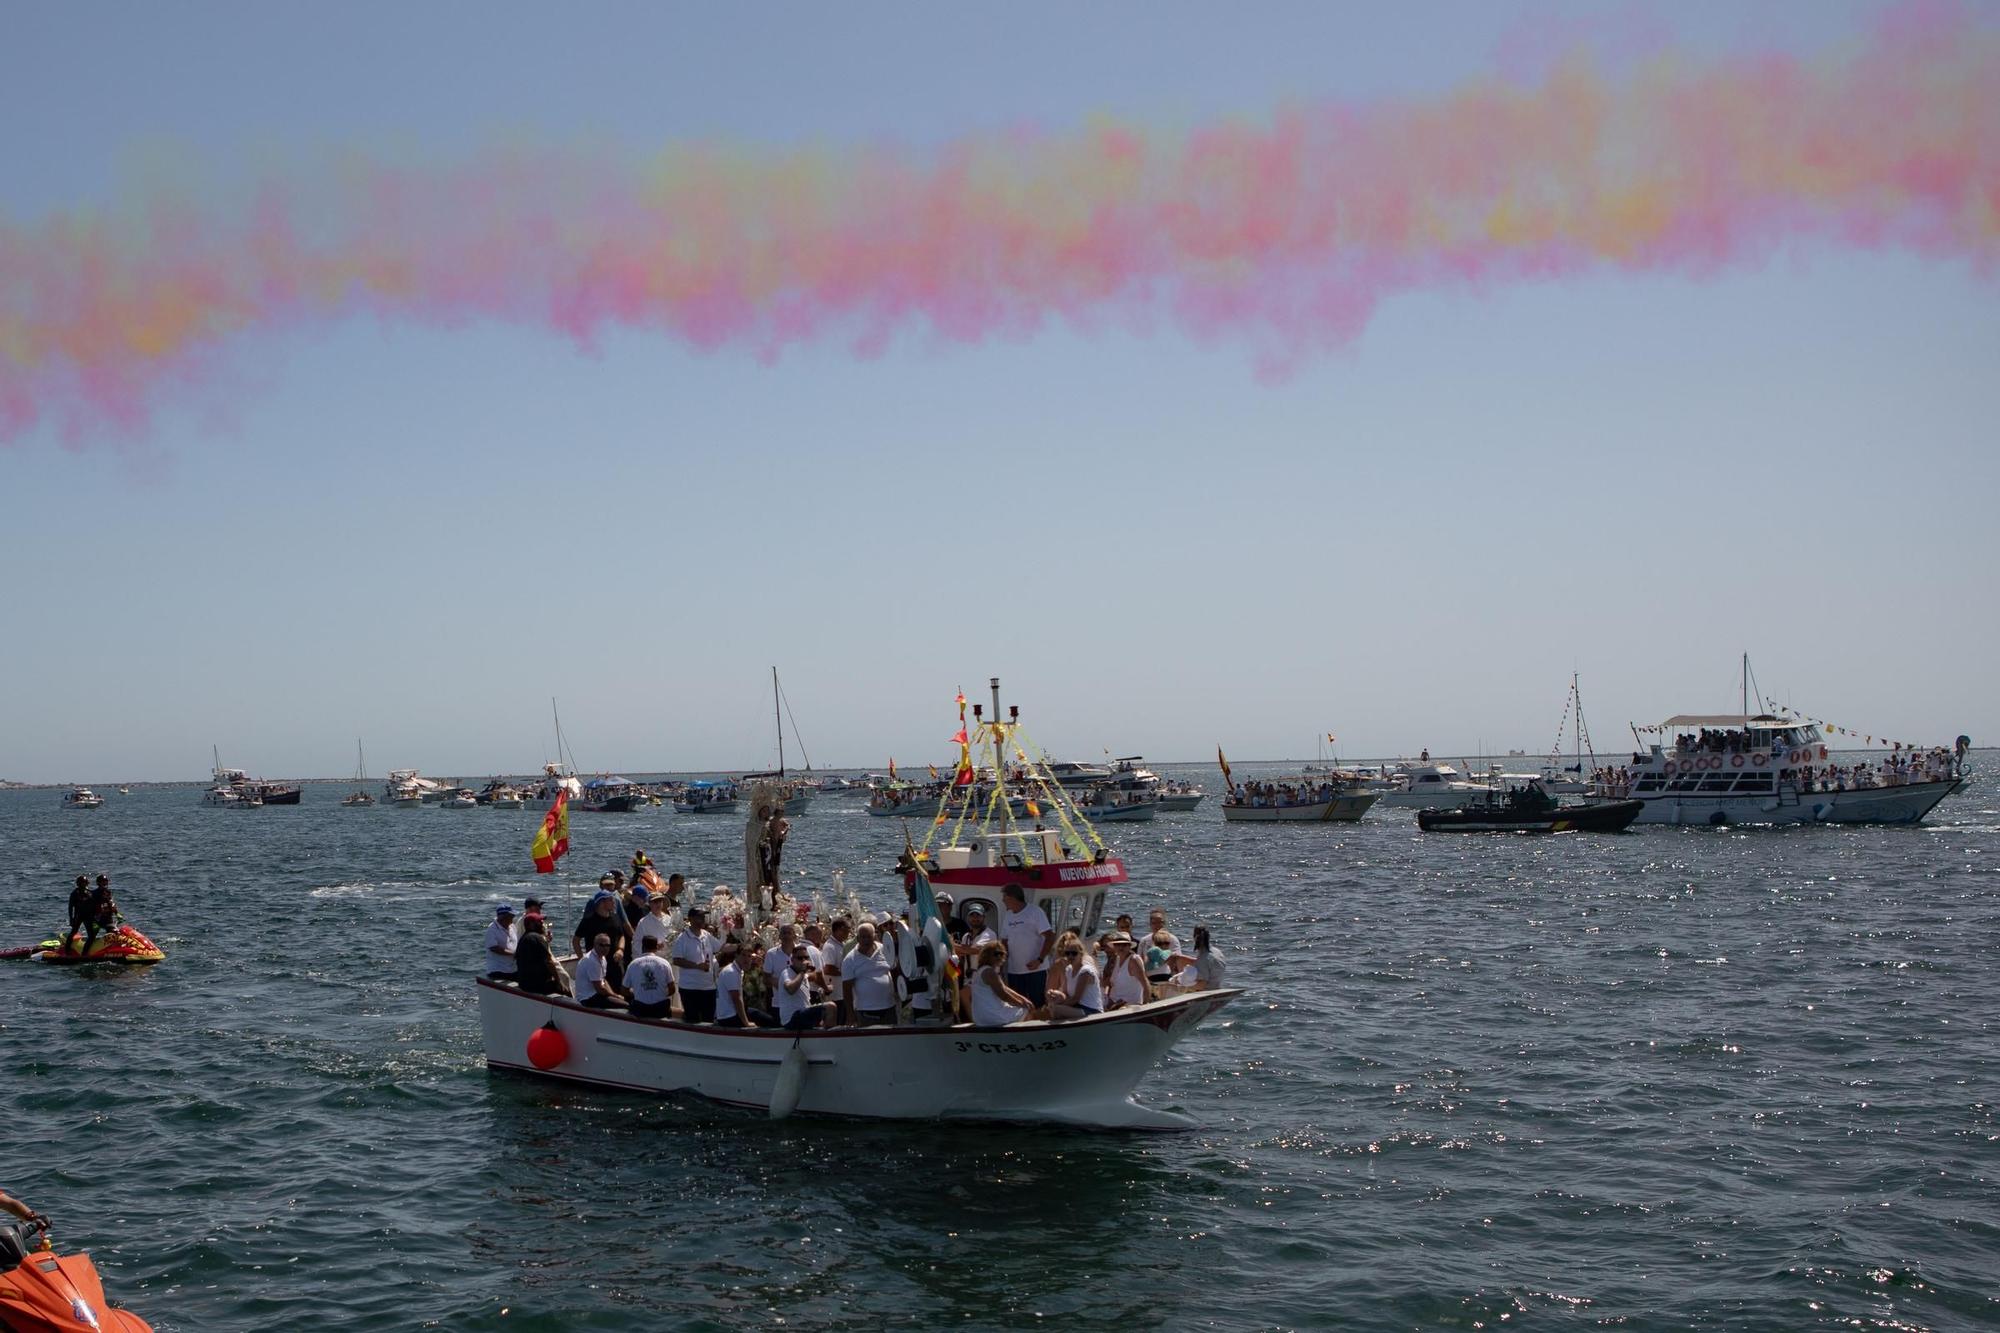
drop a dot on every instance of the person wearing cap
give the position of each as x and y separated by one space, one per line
603 917
500 937
1025 930
593 976
693 956
1125 984
531 910
652 926
635 900
650 982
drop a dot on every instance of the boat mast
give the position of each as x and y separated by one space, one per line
778 717
1000 767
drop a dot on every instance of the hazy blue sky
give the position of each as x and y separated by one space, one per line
418 535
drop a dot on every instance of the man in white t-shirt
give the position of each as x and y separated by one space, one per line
868 981
651 983
796 1010
500 944
1025 930
593 981
694 951
651 926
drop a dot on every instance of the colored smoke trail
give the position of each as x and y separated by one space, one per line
1285 234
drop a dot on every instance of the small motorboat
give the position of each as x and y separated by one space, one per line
461 798
1530 808
45 1292
81 798
125 946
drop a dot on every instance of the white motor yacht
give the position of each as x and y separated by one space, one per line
1432 786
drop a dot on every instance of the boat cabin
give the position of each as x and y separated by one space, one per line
1076 907
1718 754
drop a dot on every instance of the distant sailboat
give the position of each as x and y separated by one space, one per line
798 792
359 796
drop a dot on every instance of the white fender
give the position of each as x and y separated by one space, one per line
790 1083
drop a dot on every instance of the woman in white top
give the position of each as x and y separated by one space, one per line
1126 983
995 1004
1075 989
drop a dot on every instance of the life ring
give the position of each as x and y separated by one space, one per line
1668 769
1713 761
1760 759
1736 762
1822 752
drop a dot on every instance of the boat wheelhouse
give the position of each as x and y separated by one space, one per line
1022 825
1735 768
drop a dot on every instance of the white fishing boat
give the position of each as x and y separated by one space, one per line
1080 1073
500 795
1174 797
81 798
1769 768
459 798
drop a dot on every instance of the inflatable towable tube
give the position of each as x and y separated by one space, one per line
126 944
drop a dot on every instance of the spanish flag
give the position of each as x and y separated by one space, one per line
1224 762
552 839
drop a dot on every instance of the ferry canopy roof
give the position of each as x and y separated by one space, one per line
1729 720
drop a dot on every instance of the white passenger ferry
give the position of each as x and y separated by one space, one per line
1738 769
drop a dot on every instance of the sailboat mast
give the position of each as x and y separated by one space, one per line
778 717
1746 685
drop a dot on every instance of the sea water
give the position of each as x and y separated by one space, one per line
1672 1078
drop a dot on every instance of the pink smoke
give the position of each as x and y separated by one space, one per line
1284 234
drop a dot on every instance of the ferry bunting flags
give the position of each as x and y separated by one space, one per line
552 839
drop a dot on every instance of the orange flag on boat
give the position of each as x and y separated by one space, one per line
892 768
552 839
1224 762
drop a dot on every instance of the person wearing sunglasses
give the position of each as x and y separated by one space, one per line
1075 988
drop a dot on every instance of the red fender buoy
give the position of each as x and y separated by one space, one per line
547 1046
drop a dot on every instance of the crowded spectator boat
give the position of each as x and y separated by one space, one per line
901 800
1529 807
81 798
611 796
1735 768
705 797
1311 799
557 779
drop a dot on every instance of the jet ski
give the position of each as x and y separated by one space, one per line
125 945
43 1292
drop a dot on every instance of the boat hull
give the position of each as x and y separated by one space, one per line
1119 814
1598 817
707 808
1907 804
1174 804
1080 1073
1343 809
1449 799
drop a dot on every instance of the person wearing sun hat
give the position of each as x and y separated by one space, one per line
500 944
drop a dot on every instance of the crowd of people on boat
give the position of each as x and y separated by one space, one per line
888 970
1281 795
1897 770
